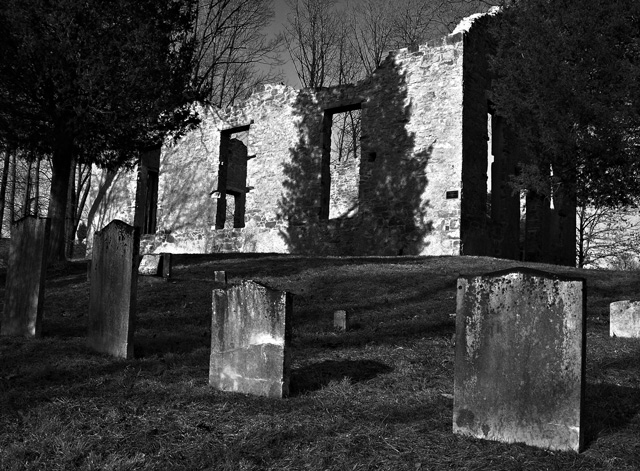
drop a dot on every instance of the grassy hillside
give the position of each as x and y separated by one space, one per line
376 397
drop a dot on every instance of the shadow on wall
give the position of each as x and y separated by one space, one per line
391 213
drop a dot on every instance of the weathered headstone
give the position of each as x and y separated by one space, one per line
112 305
220 277
340 320
155 265
519 365
26 269
250 335
150 265
624 319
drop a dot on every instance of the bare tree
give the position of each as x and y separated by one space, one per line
314 37
608 237
234 54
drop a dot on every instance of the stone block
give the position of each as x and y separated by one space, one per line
340 320
112 304
624 319
220 277
250 336
26 269
150 265
519 363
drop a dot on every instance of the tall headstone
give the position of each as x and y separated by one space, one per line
519 364
112 305
250 336
624 319
26 269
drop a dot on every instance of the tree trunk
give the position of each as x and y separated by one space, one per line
36 183
60 170
3 185
82 191
26 201
70 212
102 191
12 208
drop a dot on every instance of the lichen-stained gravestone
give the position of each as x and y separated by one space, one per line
112 305
24 301
250 336
519 364
624 319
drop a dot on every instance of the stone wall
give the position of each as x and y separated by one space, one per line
391 200
417 183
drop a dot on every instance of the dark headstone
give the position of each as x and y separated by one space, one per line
250 335
220 277
624 319
166 263
26 269
112 305
520 349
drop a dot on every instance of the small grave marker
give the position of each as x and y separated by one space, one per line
250 335
520 349
624 319
112 305
220 277
26 269
340 320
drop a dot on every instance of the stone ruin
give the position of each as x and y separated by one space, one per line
520 358
426 172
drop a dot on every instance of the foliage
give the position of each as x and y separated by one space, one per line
567 82
93 82
608 237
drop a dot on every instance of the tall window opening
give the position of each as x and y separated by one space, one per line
340 179
232 178
146 213
151 199
491 129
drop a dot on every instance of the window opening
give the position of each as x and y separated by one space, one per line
232 178
151 203
340 178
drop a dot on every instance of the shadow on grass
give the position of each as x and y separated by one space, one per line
317 375
608 407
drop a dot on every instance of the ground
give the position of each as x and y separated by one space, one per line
376 397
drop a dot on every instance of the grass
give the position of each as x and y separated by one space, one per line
376 397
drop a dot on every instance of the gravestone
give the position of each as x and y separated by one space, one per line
250 336
167 261
624 319
112 304
149 265
519 364
155 265
26 269
340 320
220 277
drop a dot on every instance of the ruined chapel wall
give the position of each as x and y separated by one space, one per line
118 202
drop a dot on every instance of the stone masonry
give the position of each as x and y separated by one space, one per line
261 176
